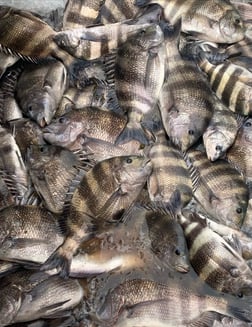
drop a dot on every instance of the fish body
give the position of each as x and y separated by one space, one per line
231 83
40 89
221 132
213 259
113 184
219 188
113 11
184 84
52 170
168 241
180 304
79 13
216 21
139 75
25 231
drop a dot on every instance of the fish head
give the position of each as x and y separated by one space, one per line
231 27
216 143
148 37
67 40
63 131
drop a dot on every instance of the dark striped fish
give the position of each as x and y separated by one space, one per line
221 131
239 155
169 175
241 48
113 11
231 83
27 36
219 188
113 185
184 84
95 41
168 241
216 21
80 13
40 89
139 75
52 170
213 259
181 304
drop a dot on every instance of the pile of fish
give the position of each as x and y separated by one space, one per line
125 164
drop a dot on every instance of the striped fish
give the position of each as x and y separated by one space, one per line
180 304
113 11
221 131
231 83
216 21
112 185
138 78
219 188
169 175
213 259
80 13
184 85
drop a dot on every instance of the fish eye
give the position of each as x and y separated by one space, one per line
129 161
240 295
248 124
237 21
177 252
218 148
41 149
62 120
142 146
191 132
142 32
239 210
30 108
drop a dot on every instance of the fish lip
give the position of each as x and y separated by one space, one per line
182 268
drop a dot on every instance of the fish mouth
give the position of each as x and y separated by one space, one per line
182 268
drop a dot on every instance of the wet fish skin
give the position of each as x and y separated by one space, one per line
183 124
40 89
139 75
112 11
221 132
25 231
217 21
113 194
79 13
224 196
180 302
168 241
213 259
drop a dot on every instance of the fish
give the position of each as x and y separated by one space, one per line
7 267
40 89
238 154
52 170
213 259
28 296
183 124
93 42
113 11
168 241
80 13
66 131
230 322
221 132
169 174
25 231
180 304
113 195
6 61
231 83
217 21
219 188
138 78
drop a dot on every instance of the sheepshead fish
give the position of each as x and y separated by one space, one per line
113 11
168 241
52 170
113 185
49 295
213 259
80 13
217 21
25 230
219 188
232 84
40 89
221 131
184 84
181 305
92 42
138 78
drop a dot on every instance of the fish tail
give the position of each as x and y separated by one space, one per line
132 132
